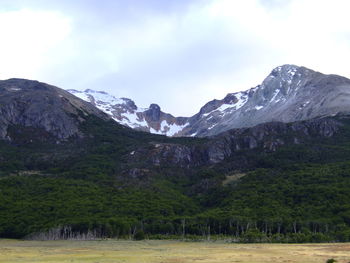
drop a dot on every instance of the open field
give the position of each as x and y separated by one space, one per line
111 251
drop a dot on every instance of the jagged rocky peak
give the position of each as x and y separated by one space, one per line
232 101
39 108
127 113
287 70
99 98
288 78
230 98
153 112
130 104
289 93
281 78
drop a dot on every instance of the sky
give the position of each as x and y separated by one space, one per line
179 54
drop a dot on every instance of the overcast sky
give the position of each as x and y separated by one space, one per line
177 53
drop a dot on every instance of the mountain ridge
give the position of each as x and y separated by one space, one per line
95 177
289 93
35 104
125 112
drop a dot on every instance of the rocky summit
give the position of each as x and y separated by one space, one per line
40 109
125 112
289 93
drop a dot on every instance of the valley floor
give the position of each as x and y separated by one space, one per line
112 251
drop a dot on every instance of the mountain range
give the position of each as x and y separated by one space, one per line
289 93
69 170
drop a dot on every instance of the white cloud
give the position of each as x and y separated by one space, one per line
177 58
26 40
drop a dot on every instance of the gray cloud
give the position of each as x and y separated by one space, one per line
179 53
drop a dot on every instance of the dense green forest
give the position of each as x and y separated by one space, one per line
299 193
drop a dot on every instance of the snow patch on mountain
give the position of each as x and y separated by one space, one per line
131 120
289 93
226 108
273 99
104 97
125 112
169 129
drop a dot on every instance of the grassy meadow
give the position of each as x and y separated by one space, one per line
112 251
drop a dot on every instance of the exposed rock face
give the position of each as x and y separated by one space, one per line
268 137
47 109
153 113
125 112
290 93
34 104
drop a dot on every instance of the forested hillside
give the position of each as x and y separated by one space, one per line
67 170
91 187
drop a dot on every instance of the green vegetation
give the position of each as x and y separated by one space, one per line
84 188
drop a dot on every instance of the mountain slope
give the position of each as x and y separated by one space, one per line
125 112
108 180
33 104
290 93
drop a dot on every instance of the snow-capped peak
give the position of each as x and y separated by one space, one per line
287 68
289 93
125 112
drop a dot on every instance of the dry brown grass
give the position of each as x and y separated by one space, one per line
232 178
112 251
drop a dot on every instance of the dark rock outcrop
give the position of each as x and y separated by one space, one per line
267 137
26 103
153 113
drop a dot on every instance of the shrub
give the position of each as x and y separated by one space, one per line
140 235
